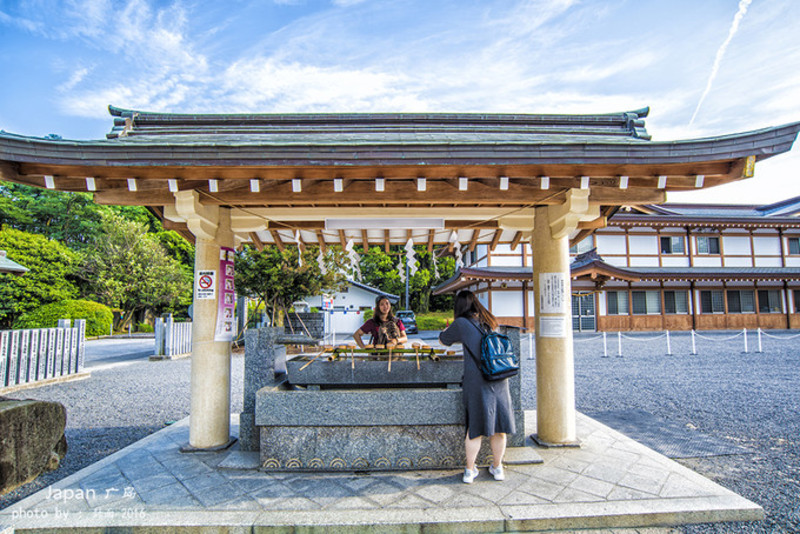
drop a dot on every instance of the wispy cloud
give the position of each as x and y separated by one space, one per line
743 5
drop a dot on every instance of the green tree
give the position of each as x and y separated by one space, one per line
127 268
276 279
49 278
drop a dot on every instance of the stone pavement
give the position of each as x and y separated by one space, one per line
611 482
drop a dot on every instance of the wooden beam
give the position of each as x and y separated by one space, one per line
321 241
600 222
386 241
256 241
431 234
409 235
516 240
277 238
342 239
475 234
495 239
365 240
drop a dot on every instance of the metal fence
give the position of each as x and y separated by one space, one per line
28 356
172 338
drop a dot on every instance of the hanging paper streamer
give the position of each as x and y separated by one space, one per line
321 262
411 257
457 250
401 270
299 248
353 256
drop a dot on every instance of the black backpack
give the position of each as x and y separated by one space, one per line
498 360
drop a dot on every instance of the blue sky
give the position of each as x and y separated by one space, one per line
704 68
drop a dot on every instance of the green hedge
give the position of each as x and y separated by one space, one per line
434 320
98 316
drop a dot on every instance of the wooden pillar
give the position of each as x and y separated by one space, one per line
209 414
555 369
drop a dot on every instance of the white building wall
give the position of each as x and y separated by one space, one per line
738 245
610 244
738 262
768 262
644 261
674 261
507 261
710 261
507 303
766 245
643 244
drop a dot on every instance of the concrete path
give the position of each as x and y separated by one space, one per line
609 482
114 350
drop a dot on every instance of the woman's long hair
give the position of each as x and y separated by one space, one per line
467 305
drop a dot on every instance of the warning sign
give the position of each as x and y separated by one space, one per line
206 286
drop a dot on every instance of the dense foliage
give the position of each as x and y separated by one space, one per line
127 268
98 317
277 279
49 279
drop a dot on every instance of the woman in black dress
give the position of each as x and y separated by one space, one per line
487 404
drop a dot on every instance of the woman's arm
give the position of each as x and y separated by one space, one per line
357 336
452 334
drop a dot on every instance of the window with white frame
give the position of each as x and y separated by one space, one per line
712 301
707 244
672 244
794 245
769 301
617 302
741 301
645 302
676 302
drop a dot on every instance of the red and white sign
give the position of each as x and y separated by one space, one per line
206 286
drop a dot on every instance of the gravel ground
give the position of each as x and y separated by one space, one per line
748 399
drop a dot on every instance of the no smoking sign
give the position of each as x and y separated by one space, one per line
206 284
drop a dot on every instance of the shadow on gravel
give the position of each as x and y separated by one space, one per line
668 438
85 446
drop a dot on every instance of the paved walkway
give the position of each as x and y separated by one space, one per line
610 482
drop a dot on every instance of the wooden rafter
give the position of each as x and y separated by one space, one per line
365 240
277 238
386 241
342 238
431 234
495 239
516 240
321 241
256 241
475 235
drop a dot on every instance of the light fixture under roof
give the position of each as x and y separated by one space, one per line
662 181
255 185
504 183
49 182
463 183
698 180
297 185
173 185
384 223
421 184
380 184
90 184
213 185
584 182
338 186
623 182
132 184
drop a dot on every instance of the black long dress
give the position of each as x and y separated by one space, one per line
488 404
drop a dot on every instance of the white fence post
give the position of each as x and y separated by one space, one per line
669 346
169 336
34 354
694 346
744 331
605 346
530 346
619 344
759 339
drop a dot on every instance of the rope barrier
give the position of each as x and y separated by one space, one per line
586 339
637 338
707 338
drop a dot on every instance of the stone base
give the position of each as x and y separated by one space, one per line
365 448
549 445
189 449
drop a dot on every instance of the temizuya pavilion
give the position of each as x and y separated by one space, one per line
379 179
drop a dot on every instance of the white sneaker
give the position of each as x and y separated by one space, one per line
497 472
469 476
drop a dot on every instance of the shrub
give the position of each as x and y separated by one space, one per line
98 316
144 327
